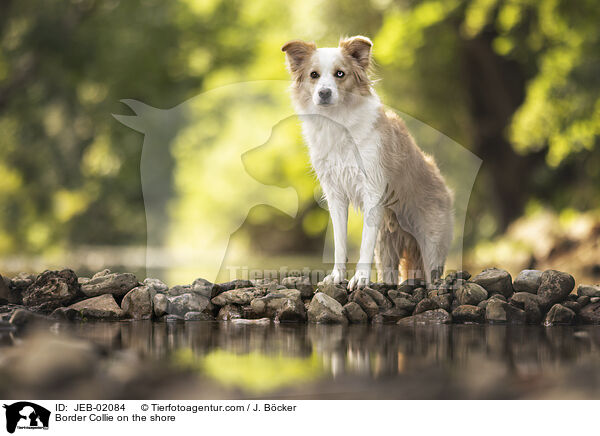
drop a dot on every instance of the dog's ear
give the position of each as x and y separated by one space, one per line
358 48
296 52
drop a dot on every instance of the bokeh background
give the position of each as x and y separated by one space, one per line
515 82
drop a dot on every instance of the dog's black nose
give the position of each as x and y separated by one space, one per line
325 93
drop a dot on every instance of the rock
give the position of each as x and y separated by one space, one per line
4 291
437 316
172 318
403 301
292 310
177 290
530 303
499 312
205 288
45 361
583 300
418 294
336 292
594 299
555 286
573 305
528 280
106 282
468 313
52 289
443 301
559 314
494 281
391 316
270 304
471 294
424 305
160 302
590 314
382 302
181 304
23 317
588 290
365 301
325 309
240 296
155 286
355 314
229 312
137 303
67 314
496 297
197 316
301 283
234 284
18 285
100 307
261 321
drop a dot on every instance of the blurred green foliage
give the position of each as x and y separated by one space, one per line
516 82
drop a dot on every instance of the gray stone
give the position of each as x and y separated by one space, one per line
583 300
172 318
424 305
437 316
326 310
443 301
197 316
355 314
292 310
391 316
18 285
155 286
66 314
160 302
590 314
234 284
468 313
499 312
301 283
105 282
336 292
573 305
270 304
555 286
559 314
4 290
229 312
100 307
528 280
205 288
382 302
23 317
494 281
530 303
365 301
404 302
418 294
52 289
137 303
257 322
588 290
240 296
181 304
471 294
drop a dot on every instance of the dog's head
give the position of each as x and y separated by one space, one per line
326 77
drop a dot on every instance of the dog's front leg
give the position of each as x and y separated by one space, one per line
372 218
338 209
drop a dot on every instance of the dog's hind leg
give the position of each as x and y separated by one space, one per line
388 249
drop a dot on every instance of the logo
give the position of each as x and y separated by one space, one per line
26 415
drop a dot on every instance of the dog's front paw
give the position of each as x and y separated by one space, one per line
359 281
336 276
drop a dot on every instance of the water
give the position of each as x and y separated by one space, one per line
223 360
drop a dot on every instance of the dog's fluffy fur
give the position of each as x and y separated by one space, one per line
364 155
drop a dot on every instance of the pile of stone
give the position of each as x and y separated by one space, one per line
533 297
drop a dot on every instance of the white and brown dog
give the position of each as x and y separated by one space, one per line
364 155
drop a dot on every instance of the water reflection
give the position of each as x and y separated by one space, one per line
260 359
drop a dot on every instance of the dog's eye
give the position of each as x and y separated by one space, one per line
339 74
314 75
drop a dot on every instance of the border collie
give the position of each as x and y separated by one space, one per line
364 155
